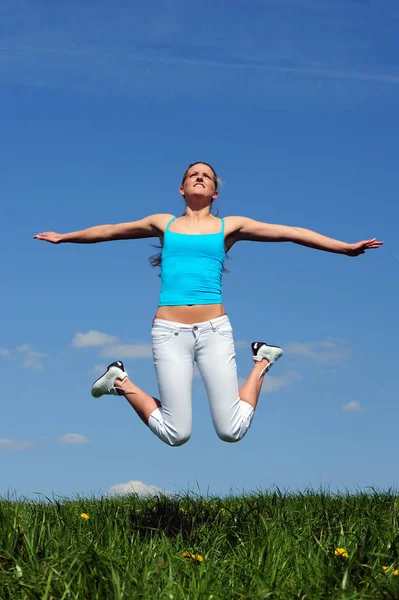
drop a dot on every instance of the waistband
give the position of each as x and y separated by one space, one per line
213 323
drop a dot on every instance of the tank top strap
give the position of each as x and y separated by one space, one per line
169 222
222 231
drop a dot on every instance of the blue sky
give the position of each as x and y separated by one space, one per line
103 107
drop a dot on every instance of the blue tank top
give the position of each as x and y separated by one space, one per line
192 268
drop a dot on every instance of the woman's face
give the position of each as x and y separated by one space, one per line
200 182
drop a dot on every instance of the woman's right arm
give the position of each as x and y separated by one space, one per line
151 226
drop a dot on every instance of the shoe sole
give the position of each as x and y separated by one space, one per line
94 391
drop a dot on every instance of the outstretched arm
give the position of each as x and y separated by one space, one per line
151 226
248 229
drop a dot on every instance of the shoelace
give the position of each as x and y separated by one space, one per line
266 368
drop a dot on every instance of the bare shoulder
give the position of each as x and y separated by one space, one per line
159 221
232 229
151 226
233 225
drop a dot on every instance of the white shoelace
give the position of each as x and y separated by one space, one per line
265 369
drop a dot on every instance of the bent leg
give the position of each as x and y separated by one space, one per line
215 355
170 417
173 352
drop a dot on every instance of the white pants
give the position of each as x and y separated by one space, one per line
175 348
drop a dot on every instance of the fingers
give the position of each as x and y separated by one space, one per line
367 244
374 244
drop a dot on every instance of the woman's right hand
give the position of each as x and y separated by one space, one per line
49 236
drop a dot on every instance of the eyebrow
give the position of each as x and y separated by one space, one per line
203 172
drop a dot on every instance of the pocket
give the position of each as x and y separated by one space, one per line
160 335
225 330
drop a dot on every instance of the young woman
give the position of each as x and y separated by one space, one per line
190 323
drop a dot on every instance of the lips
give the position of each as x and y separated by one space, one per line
198 183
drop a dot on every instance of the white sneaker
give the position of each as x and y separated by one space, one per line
261 350
106 383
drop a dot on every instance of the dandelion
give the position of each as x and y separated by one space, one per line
195 557
85 516
341 552
391 571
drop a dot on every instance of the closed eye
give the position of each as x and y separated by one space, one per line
196 175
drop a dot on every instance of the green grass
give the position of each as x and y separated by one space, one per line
269 545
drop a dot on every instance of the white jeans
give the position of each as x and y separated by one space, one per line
175 348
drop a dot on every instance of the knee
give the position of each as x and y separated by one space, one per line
229 436
177 438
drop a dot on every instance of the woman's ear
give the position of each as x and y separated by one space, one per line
181 191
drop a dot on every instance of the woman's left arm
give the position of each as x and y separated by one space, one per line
257 231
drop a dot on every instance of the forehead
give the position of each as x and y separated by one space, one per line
201 168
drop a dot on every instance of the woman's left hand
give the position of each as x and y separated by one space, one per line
361 247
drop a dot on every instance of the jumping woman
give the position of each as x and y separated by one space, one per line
190 323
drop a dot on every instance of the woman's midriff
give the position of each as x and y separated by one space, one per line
196 313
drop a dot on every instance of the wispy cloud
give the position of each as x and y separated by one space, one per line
98 369
137 48
109 347
93 338
31 358
353 406
135 487
14 445
325 352
274 383
241 344
73 438
128 351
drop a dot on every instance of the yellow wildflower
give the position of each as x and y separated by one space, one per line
85 516
195 557
341 552
392 572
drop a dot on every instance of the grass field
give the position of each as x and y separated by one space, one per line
272 545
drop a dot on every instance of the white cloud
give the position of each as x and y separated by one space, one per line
273 384
128 351
353 406
31 358
73 438
135 487
241 344
4 352
93 338
330 351
13 445
98 369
